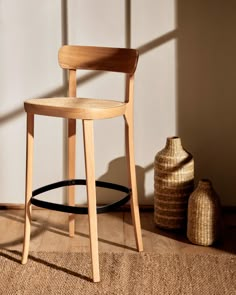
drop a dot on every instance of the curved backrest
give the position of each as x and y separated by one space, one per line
122 60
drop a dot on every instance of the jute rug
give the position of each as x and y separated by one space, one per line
121 273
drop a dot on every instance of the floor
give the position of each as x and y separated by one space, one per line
50 233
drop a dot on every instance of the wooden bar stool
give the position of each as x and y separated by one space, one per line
86 109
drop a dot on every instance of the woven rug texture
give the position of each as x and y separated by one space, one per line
121 273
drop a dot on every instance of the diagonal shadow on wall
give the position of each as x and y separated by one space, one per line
62 90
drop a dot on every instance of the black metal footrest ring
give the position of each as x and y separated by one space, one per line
74 209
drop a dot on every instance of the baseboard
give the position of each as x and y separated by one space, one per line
122 208
143 208
6 206
22 207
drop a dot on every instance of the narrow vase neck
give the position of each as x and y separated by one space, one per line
173 143
205 184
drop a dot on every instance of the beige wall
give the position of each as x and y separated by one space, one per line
184 86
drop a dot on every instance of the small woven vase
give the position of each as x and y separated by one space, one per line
173 184
203 215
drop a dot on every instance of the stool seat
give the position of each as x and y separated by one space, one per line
75 108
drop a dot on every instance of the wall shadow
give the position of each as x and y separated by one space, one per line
206 90
62 90
128 23
117 164
117 173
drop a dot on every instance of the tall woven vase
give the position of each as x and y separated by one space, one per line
173 184
203 215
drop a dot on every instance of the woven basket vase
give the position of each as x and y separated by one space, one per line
173 184
203 215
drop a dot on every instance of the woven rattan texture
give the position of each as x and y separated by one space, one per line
203 215
173 184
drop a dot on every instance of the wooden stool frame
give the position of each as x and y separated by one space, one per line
73 58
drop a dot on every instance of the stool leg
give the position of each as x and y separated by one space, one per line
28 185
91 195
71 171
133 183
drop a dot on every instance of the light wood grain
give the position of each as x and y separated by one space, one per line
88 109
91 195
98 58
72 83
71 171
71 157
129 132
75 108
28 184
